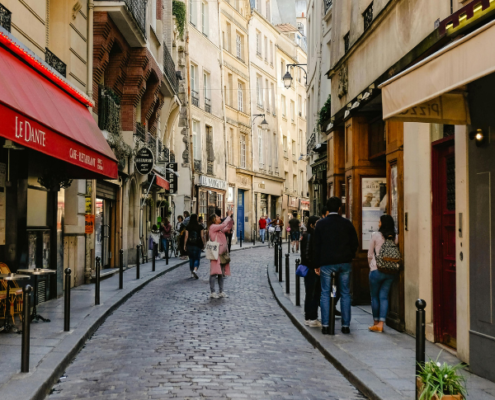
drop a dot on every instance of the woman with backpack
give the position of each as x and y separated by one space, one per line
381 282
193 244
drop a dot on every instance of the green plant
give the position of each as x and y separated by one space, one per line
325 112
441 380
179 11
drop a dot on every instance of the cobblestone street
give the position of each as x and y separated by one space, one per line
171 341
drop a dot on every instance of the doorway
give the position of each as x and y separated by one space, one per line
240 213
103 229
444 238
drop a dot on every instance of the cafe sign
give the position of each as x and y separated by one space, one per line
144 161
212 183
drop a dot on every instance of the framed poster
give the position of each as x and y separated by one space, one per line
373 191
394 196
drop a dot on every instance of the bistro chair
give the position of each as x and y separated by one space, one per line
15 293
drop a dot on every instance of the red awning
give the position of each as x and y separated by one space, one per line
39 115
162 182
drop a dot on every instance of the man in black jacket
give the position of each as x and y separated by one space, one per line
336 243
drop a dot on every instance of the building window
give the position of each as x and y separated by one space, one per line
230 146
206 91
204 19
194 85
292 112
285 147
301 142
242 150
347 42
273 98
220 201
275 147
294 183
192 12
267 95
228 46
269 149
196 140
284 110
239 46
203 206
258 44
282 69
266 49
271 53
299 105
261 148
259 90
240 96
368 16
268 11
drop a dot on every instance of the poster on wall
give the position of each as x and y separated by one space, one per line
373 191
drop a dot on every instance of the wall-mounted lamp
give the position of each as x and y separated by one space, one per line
479 137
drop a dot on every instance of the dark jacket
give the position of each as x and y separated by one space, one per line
335 241
307 250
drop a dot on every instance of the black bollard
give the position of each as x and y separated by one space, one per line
138 264
288 242
240 237
121 269
97 281
67 300
280 267
333 298
420 336
298 285
287 273
276 256
254 237
26 328
153 257
167 247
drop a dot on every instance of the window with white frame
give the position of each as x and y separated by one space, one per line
259 90
196 140
153 14
268 11
206 89
269 149
272 93
194 73
283 105
261 148
242 150
301 141
228 29
294 148
282 69
239 46
292 112
258 43
231 147
299 105
192 12
240 96
285 146
294 183
266 49
275 148
271 53
204 18
220 201
267 96
203 206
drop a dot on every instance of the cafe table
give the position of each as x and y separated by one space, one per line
8 326
36 272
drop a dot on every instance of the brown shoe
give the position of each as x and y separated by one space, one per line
375 328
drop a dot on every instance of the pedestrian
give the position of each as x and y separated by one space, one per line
304 225
295 233
262 225
336 243
220 267
153 239
312 284
229 232
268 221
180 220
324 212
187 217
278 224
200 221
193 244
181 228
380 283
165 233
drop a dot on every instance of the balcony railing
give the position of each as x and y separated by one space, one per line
169 69
56 63
209 168
328 4
151 143
368 16
140 132
5 18
347 41
207 105
137 9
195 98
109 110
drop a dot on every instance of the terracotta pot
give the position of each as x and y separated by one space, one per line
420 386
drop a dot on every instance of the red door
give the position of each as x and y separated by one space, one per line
444 273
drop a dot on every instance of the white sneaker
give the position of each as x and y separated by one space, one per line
222 294
314 324
213 295
306 322
195 275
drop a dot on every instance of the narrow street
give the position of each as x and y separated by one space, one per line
171 341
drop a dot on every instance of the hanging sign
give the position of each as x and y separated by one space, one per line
171 177
144 161
89 224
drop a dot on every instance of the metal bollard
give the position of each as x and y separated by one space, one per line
276 256
97 281
240 237
67 300
288 242
333 298
298 285
167 248
287 274
420 336
254 237
138 264
121 269
153 257
280 267
26 328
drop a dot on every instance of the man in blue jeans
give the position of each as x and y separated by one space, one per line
336 243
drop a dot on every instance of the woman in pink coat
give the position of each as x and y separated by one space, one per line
217 232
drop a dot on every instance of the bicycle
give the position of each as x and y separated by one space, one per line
173 245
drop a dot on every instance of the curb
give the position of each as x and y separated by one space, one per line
353 370
59 359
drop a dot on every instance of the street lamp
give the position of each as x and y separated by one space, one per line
264 123
288 77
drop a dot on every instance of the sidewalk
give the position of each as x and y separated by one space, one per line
382 366
52 349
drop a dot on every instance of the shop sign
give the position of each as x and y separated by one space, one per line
88 204
320 167
212 182
172 178
89 224
292 202
144 161
305 205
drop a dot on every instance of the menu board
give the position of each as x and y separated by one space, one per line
3 175
373 191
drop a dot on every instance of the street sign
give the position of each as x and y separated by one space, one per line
144 161
171 177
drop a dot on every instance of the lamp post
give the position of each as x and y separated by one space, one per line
288 77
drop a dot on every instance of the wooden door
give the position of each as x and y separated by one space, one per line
444 253
240 213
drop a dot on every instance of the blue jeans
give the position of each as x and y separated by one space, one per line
380 285
343 272
194 253
262 235
165 244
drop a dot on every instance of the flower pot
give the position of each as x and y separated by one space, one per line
420 386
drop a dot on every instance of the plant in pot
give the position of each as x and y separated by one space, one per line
437 381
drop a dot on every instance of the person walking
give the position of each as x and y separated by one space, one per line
262 225
165 233
295 233
380 283
312 284
187 217
154 238
193 244
278 223
220 267
268 221
178 225
336 243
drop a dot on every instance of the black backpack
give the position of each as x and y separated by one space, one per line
389 257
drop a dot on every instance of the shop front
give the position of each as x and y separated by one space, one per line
317 184
48 138
211 196
304 207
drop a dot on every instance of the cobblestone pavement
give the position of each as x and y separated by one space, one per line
171 341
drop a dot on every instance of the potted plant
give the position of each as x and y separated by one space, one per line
437 381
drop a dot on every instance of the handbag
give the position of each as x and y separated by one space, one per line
225 258
211 250
302 271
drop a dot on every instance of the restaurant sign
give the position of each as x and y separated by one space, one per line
171 177
305 205
292 202
144 161
212 182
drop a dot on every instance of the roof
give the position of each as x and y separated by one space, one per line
286 28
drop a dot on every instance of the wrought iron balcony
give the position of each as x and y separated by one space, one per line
109 110
5 18
347 39
140 132
368 16
195 97
209 166
328 4
197 165
137 8
311 142
151 143
56 63
169 69
207 105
